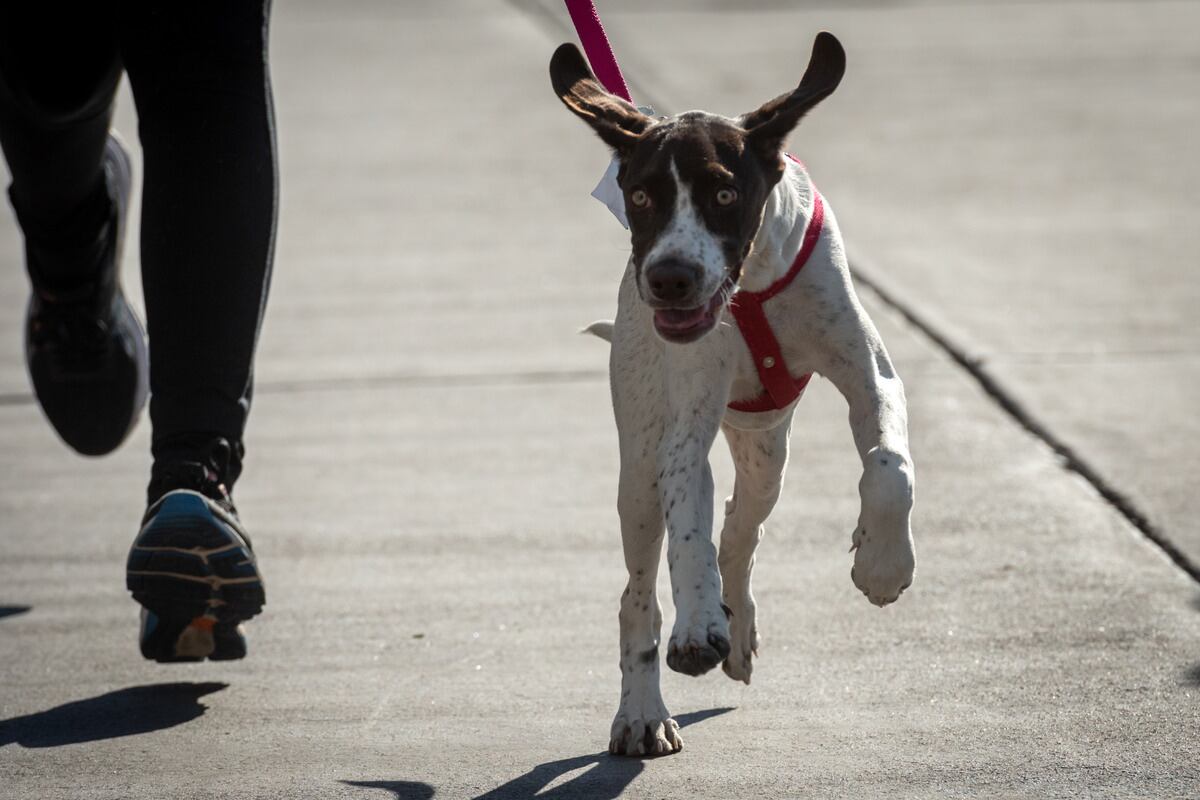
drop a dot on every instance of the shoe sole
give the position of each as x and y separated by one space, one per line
118 160
190 560
170 641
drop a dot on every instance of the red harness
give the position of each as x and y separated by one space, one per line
747 308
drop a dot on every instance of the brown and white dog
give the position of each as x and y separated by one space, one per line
723 223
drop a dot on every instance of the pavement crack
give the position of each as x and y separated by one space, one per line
433 380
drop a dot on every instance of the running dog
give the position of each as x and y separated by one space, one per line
725 224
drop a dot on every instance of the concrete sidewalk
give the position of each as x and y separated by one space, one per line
432 462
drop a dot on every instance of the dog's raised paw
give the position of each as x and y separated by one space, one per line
644 738
743 635
692 657
883 567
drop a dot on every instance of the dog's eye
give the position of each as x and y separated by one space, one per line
726 196
639 198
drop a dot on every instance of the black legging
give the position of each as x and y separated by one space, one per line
200 81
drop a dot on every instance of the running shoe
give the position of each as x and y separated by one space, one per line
192 566
84 346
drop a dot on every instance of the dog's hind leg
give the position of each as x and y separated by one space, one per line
643 725
760 458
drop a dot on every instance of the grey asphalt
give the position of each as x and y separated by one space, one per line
432 460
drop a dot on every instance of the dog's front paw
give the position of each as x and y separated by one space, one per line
743 637
698 649
644 737
883 564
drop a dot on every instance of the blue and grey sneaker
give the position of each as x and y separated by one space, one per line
84 346
192 566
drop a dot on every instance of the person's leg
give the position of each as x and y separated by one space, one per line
58 79
70 186
200 81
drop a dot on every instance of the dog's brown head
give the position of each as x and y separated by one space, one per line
695 184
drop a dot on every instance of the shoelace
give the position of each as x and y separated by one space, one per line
204 477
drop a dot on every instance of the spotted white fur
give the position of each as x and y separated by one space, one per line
670 400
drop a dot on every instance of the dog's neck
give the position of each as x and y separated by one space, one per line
785 218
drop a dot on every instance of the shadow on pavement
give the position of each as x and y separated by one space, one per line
1192 676
607 779
401 790
125 712
12 611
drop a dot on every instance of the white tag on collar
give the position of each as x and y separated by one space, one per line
608 192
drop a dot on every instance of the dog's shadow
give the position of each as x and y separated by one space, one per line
125 712
607 777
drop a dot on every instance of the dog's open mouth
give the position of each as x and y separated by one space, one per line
683 325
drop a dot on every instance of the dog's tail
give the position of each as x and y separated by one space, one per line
602 328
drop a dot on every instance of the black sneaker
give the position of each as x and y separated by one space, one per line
85 349
192 566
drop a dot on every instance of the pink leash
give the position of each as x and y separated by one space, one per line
596 46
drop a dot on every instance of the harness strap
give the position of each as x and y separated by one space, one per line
747 308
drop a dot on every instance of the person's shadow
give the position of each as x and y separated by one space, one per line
12 611
125 712
608 777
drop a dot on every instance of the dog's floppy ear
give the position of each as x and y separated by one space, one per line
767 127
617 122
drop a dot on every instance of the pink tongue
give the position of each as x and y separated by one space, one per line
679 318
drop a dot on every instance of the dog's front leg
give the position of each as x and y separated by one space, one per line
642 726
857 363
700 637
853 358
664 475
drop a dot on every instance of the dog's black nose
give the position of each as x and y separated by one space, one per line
672 281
